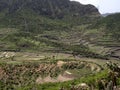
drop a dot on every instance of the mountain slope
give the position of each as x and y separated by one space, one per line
43 39
54 8
110 25
62 26
42 24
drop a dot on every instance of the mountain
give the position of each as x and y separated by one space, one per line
46 42
107 14
22 12
54 8
42 24
54 26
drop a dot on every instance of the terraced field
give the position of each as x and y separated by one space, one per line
19 69
47 44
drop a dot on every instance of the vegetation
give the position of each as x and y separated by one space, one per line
52 30
111 24
14 76
91 80
56 26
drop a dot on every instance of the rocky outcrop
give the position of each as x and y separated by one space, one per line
51 8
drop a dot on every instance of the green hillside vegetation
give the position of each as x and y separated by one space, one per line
31 33
40 30
111 24
56 44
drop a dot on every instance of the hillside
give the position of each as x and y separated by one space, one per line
111 23
57 26
53 9
50 44
39 26
110 26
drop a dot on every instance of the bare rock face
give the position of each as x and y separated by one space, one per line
51 8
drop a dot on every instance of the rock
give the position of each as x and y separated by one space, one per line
82 86
50 8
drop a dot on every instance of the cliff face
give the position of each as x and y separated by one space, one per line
51 8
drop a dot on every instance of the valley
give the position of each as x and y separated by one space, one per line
57 45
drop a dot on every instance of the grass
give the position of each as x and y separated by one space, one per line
81 72
68 39
87 76
27 71
41 56
91 79
45 34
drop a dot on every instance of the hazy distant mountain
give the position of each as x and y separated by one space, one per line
106 14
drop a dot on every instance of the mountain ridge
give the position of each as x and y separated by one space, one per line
54 8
